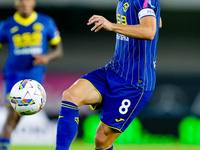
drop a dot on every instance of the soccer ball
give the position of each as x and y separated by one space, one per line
27 97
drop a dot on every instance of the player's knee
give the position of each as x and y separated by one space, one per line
101 141
69 96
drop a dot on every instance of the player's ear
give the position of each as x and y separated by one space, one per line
34 3
16 4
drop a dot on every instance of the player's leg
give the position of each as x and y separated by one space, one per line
122 102
116 115
10 124
80 93
105 136
12 117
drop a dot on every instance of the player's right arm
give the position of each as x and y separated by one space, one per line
2 34
145 30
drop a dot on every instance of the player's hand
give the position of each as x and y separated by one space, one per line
40 59
99 23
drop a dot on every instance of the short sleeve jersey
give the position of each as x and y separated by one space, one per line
135 59
27 37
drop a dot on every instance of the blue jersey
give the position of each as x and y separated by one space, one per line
27 37
134 59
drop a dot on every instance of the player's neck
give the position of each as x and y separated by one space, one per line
25 15
25 21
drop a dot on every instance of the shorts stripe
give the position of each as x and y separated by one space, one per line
112 127
133 109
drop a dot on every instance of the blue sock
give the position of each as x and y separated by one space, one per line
4 144
111 148
67 125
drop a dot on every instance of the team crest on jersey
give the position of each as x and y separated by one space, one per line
38 27
14 29
126 6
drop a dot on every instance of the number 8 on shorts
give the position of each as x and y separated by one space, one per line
123 109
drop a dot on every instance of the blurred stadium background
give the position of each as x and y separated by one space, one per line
177 94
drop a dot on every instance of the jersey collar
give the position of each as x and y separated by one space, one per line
25 21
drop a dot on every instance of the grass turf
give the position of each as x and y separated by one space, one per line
80 145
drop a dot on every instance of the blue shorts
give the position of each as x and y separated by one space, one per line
121 102
12 78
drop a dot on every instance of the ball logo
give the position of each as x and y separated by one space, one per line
14 100
24 84
27 100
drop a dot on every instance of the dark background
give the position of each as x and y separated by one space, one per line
178 85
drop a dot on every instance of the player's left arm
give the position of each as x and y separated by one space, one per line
145 30
160 25
55 52
56 49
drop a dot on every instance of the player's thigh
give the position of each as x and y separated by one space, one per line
10 81
82 92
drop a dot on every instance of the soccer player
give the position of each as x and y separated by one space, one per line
27 34
125 84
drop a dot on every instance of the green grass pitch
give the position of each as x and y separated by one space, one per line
79 145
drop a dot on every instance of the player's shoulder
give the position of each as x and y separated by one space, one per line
142 4
145 1
44 17
7 22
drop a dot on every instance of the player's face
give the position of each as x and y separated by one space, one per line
25 7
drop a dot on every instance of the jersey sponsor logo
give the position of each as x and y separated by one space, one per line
28 51
27 39
14 29
126 6
119 120
122 37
